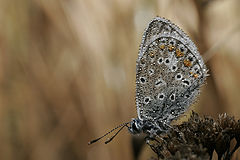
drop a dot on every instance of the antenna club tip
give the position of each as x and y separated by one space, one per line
93 141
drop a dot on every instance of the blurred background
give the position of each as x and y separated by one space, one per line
67 71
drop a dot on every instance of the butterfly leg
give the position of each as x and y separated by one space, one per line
155 148
176 130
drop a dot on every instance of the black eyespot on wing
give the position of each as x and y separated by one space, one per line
172 97
186 82
146 100
160 96
167 61
160 60
190 58
181 49
178 76
143 80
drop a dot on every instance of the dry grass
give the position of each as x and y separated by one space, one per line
67 70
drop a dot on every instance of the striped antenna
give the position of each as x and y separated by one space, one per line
110 139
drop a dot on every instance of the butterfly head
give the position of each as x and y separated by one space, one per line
136 126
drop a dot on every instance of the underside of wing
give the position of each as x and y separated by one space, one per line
169 70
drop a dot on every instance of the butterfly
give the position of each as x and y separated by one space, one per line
169 74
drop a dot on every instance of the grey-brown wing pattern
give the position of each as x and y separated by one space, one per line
169 70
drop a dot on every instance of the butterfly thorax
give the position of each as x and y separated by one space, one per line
149 127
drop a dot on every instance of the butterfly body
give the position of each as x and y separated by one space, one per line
149 127
169 74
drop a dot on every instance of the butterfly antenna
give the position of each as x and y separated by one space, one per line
121 125
110 139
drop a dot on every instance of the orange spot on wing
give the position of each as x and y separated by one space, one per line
179 53
162 46
187 63
195 75
151 54
171 48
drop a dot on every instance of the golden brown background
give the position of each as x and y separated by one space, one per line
67 71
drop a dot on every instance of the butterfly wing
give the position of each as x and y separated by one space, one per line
169 70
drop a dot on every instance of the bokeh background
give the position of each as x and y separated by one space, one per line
67 71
